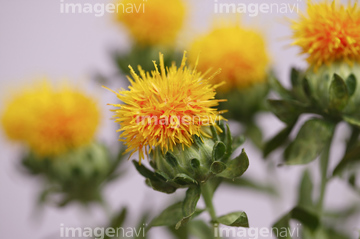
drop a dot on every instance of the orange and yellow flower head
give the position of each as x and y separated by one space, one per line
153 22
328 32
239 52
164 108
51 121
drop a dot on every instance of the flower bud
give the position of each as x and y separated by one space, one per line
196 164
77 174
334 88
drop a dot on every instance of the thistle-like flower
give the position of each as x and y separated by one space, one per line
239 52
329 32
165 108
151 23
329 35
58 125
51 121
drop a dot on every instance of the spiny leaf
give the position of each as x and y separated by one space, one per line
234 219
217 167
219 150
236 167
338 92
309 143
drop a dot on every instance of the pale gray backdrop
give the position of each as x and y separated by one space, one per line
36 41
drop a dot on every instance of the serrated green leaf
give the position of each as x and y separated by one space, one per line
214 133
195 163
222 126
184 179
234 219
238 141
309 143
338 92
171 159
278 88
351 84
144 171
219 150
217 167
287 111
200 230
191 199
350 157
306 88
277 140
307 218
180 233
306 190
160 186
294 77
283 222
228 140
236 167
189 205
161 175
169 217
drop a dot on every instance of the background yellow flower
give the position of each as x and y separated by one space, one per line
328 33
158 22
51 121
239 52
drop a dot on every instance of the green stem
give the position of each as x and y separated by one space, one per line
324 165
207 194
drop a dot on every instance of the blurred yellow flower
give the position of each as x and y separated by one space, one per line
15 116
328 33
51 121
165 108
239 52
157 22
